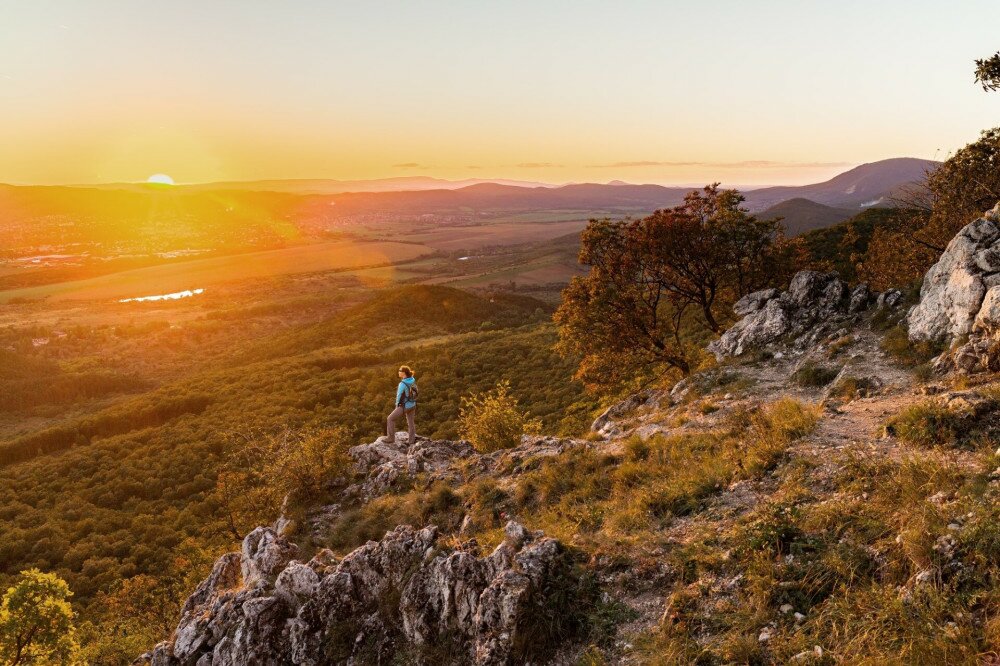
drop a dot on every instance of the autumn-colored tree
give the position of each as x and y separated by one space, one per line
36 621
955 193
137 613
894 258
962 188
654 279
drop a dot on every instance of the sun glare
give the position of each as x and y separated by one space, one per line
160 179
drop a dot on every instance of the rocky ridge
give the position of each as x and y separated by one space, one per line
404 597
410 596
815 304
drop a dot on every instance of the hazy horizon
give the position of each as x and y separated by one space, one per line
501 180
666 93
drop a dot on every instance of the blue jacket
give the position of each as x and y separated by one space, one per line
404 388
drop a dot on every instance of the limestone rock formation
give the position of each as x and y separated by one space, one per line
815 304
954 289
385 461
404 599
960 298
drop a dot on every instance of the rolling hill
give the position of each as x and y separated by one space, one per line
241 215
865 185
802 215
333 186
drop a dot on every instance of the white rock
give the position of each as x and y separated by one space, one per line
988 317
397 598
955 287
810 308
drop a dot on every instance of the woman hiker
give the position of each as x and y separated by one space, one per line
406 403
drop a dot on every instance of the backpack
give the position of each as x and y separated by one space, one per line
410 395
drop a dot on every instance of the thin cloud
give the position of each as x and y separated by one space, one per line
642 163
537 165
410 165
473 166
768 164
746 164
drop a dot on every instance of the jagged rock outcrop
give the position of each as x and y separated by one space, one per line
385 461
815 304
960 298
404 599
954 289
409 598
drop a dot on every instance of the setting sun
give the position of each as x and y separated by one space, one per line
160 179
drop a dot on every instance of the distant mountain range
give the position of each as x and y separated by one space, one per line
806 206
330 186
803 207
866 185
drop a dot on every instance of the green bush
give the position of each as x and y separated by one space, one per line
263 468
814 375
897 344
850 387
493 421
928 424
36 621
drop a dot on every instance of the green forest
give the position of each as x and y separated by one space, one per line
119 486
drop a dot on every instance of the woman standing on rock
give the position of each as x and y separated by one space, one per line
406 403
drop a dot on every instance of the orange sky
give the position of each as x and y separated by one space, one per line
670 92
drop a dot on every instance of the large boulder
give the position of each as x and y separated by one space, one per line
404 599
954 289
813 303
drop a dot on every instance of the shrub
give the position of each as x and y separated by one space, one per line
767 432
928 424
493 420
896 343
850 387
263 468
814 375
437 505
839 345
487 502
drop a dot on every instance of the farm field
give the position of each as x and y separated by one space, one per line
453 238
197 273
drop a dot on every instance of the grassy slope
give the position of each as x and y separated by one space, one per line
762 529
